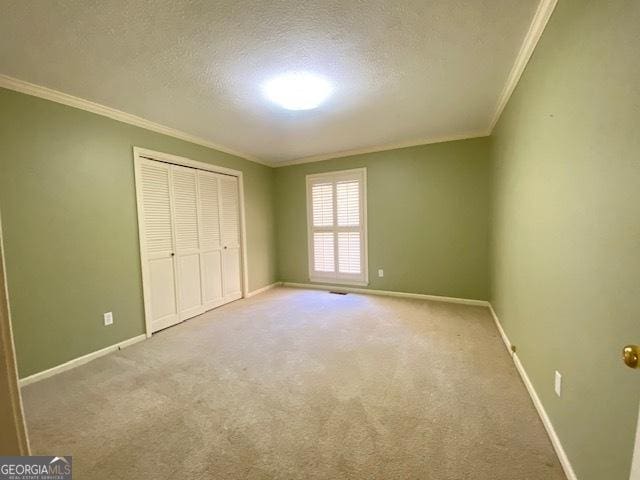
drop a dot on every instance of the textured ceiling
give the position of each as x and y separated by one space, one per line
404 71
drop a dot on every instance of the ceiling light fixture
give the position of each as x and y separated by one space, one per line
297 90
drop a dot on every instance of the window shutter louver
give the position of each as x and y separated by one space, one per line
349 252
323 251
322 195
348 204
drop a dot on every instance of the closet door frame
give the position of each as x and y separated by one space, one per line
142 153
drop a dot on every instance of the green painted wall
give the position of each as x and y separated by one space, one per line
428 210
69 215
566 227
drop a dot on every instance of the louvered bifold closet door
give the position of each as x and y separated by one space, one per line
187 242
230 233
210 239
156 230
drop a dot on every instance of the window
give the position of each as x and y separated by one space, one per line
337 221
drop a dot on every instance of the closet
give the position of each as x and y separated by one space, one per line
189 224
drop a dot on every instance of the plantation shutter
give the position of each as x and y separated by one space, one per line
337 227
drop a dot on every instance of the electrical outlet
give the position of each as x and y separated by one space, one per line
108 318
380 272
558 383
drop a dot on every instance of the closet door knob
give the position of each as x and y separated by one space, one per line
630 356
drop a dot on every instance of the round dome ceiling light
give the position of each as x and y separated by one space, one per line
297 90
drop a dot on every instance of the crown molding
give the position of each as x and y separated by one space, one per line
382 148
531 39
21 86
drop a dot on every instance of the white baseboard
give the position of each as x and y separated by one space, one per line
546 421
76 362
263 289
387 293
503 334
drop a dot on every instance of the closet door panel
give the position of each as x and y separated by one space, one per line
190 288
208 193
156 230
231 274
230 227
210 238
163 294
230 211
212 279
185 211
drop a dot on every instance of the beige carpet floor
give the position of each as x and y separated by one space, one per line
301 384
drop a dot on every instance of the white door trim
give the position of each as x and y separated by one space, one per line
138 154
635 465
9 366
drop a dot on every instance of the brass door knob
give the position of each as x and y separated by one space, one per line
631 356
